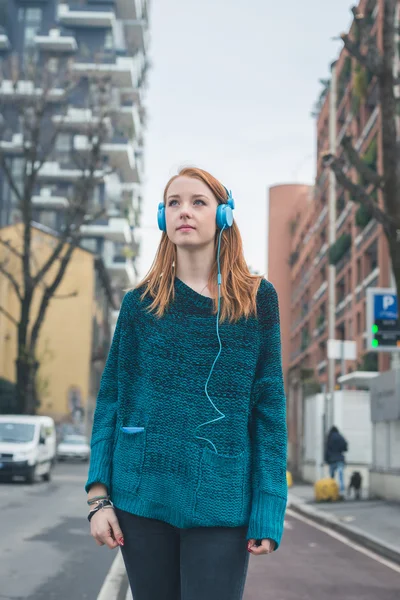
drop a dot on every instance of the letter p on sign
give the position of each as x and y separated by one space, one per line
387 302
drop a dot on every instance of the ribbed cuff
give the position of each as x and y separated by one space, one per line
267 517
100 464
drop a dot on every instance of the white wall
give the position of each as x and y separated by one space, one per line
351 412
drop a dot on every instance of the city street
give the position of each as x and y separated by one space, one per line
46 553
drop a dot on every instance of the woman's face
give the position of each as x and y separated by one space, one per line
190 212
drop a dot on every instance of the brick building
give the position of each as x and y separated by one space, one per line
329 229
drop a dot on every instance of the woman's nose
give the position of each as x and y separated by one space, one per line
185 212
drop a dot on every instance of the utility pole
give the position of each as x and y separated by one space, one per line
332 239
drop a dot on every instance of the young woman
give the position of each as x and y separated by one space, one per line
188 462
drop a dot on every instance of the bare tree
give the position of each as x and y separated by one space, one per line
34 105
378 192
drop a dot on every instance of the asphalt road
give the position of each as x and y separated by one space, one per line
46 551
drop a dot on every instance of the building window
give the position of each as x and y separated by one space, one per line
33 22
109 40
358 322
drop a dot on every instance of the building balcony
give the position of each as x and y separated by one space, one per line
127 119
122 72
320 292
51 171
25 89
136 35
323 251
79 119
343 306
4 41
371 280
78 16
343 262
366 233
55 42
120 155
121 267
343 215
115 230
130 9
13 147
46 200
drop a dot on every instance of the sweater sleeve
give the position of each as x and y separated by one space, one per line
269 432
105 414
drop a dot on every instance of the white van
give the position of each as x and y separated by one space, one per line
27 447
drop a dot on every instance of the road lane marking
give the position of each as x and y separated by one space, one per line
345 540
114 579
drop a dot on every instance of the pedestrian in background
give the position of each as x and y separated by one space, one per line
336 446
189 442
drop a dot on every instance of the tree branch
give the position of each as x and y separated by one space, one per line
49 292
65 296
9 177
354 158
10 317
11 248
358 192
11 279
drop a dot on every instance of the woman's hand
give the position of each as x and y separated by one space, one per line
267 546
105 528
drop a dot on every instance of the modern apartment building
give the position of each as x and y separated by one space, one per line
300 257
106 37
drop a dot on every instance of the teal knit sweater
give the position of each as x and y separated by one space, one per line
154 379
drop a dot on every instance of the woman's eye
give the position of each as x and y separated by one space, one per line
202 201
170 203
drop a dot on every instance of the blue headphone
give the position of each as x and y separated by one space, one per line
224 214
224 221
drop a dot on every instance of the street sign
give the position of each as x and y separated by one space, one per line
342 349
383 327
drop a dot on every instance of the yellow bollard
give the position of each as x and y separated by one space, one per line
289 479
326 490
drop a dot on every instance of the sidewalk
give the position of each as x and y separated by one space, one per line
374 524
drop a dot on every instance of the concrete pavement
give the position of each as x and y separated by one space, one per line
374 524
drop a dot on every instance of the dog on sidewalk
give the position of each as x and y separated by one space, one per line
355 484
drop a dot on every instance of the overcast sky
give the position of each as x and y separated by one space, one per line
231 89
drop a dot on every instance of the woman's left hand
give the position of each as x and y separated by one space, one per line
267 546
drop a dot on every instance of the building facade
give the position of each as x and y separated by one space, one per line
75 336
336 250
91 41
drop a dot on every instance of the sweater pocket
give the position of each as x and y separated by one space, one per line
128 459
223 494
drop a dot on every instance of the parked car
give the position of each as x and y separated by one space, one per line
74 447
27 447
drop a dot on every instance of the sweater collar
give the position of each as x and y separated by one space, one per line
189 293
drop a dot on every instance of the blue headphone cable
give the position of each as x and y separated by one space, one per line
222 416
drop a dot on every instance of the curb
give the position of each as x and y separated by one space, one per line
352 533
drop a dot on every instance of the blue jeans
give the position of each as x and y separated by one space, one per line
164 562
339 467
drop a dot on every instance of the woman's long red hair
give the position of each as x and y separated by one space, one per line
238 287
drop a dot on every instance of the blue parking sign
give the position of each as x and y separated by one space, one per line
385 306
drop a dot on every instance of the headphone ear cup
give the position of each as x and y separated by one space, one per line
162 222
224 216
